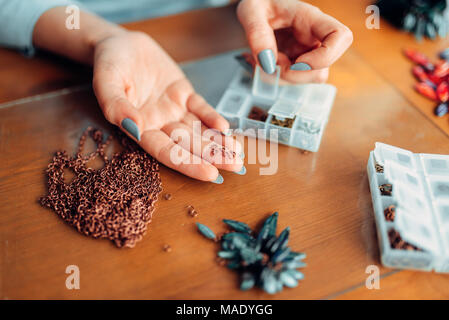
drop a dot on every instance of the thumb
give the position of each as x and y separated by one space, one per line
117 109
260 35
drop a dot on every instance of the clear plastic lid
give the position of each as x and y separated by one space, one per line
284 109
435 164
396 173
415 231
294 93
266 85
439 188
317 102
415 204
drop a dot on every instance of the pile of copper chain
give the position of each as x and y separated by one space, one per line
115 202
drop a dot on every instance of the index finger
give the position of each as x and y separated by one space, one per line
253 16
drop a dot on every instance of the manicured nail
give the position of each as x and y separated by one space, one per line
267 61
219 179
242 171
301 66
242 155
131 127
245 64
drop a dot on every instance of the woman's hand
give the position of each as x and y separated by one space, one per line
297 36
142 90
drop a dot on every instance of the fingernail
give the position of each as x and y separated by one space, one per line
267 61
227 132
301 66
242 171
242 155
131 127
245 64
219 179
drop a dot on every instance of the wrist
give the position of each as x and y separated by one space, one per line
79 44
95 30
92 37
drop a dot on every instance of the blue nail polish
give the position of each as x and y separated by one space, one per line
242 155
267 61
301 66
130 126
219 179
242 171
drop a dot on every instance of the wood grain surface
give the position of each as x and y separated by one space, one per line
324 197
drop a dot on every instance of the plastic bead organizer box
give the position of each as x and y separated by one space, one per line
420 194
307 106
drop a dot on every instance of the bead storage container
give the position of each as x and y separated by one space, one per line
418 186
299 112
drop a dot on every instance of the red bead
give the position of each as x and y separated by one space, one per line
443 91
441 69
419 73
417 57
426 90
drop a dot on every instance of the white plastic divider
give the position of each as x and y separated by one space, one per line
435 164
233 102
266 85
396 173
242 80
443 212
317 102
416 231
439 187
294 93
403 157
413 202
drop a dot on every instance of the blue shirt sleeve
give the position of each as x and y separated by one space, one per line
18 17
17 20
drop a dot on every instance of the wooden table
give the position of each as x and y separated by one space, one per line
324 197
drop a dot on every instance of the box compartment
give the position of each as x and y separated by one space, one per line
309 106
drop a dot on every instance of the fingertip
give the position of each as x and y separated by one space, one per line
217 122
323 76
242 171
300 66
221 124
236 167
218 180
209 172
347 35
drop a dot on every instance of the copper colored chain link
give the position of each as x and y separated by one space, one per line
115 202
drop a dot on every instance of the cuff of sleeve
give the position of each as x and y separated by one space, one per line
29 50
22 20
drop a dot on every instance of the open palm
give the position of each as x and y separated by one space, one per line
142 90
